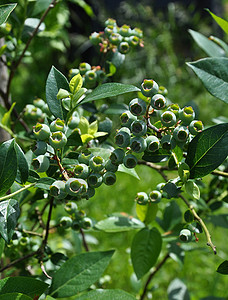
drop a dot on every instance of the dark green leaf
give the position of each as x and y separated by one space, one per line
157 156
207 45
55 81
171 189
74 139
106 294
223 268
9 213
44 183
5 11
14 296
207 150
78 273
172 216
213 73
145 249
25 285
177 290
8 165
119 224
22 164
109 90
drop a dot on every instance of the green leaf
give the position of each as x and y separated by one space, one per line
74 139
55 81
157 156
76 97
103 152
9 213
116 109
22 164
87 8
119 224
106 294
62 94
44 183
176 252
14 296
8 165
131 172
5 11
145 249
222 23
220 42
220 220
40 6
109 90
223 268
207 45
171 189
76 83
172 216
207 150
192 189
25 285
83 125
2 246
6 118
213 74
78 273
93 127
177 154
177 290
146 213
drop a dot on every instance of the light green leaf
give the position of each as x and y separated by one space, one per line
6 118
106 294
147 213
99 133
120 223
2 246
145 249
131 172
83 125
2 49
76 83
192 189
14 296
86 138
207 45
62 94
103 152
93 127
78 273
80 93
213 74
40 6
5 11
222 23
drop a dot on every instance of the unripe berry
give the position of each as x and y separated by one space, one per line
188 216
138 128
90 77
149 87
41 131
187 115
95 39
168 118
110 21
71 208
125 30
142 198
87 223
155 196
41 163
73 72
138 144
133 40
181 133
109 178
109 30
84 157
105 125
94 180
57 189
137 107
117 156
160 186
167 142
33 113
81 171
76 186
152 143
130 161
73 122
96 163
57 125
185 235
110 167
58 140
84 67
127 118
175 108
76 225
137 32
122 137
124 47
115 38
195 127
101 75
90 193
66 222
158 101
39 103
40 148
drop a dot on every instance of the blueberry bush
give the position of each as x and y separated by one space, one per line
58 152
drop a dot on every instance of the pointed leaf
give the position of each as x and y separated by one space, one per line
207 150
93 127
192 189
5 11
172 216
213 74
9 213
74 139
222 23
8 165
14 296
62 94
76 83
22 164
109 90
145 249
223 268
83 125
126 170
157 156
6 118
147 213
78 273
106 294
55 81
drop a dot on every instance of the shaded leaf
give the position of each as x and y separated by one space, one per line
78 273
172 216
157 156
22 164
106 294
207 150
177 290
2 246
213 74
14 296
145 249
192 189
147 213
44 183
176 252
220 220
171 189
223 268
40 6
74 139
5 11
116 109
6 118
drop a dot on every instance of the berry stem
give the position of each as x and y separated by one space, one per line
62 170
84 240
17 192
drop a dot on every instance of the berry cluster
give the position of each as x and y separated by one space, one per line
36 111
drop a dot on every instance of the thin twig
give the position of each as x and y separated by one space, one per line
44 271
48 222
84 240
17 192
220 173
62 170
156 269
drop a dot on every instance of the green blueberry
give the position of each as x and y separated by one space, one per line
125 30
101 75
117 156
138 128
185 235
115 38
122 137
149 87
110 21
71 208
167 142
110 167
90 78
73 122
84 67
160 186
138 144
155 196
73 72
124 47
40 148
84 157
127 118
130 161
142 198
152 143
187 115
109 178
57 189
87 223
41 163
188 216
181 133
66 222
158 101
134 41
96 163
137 32
41 131
76 186
109 30
39 103
57 125
195 127
95 39
81 171
175 108
168 118
94 180
105 125
58 140
90 193
137 107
